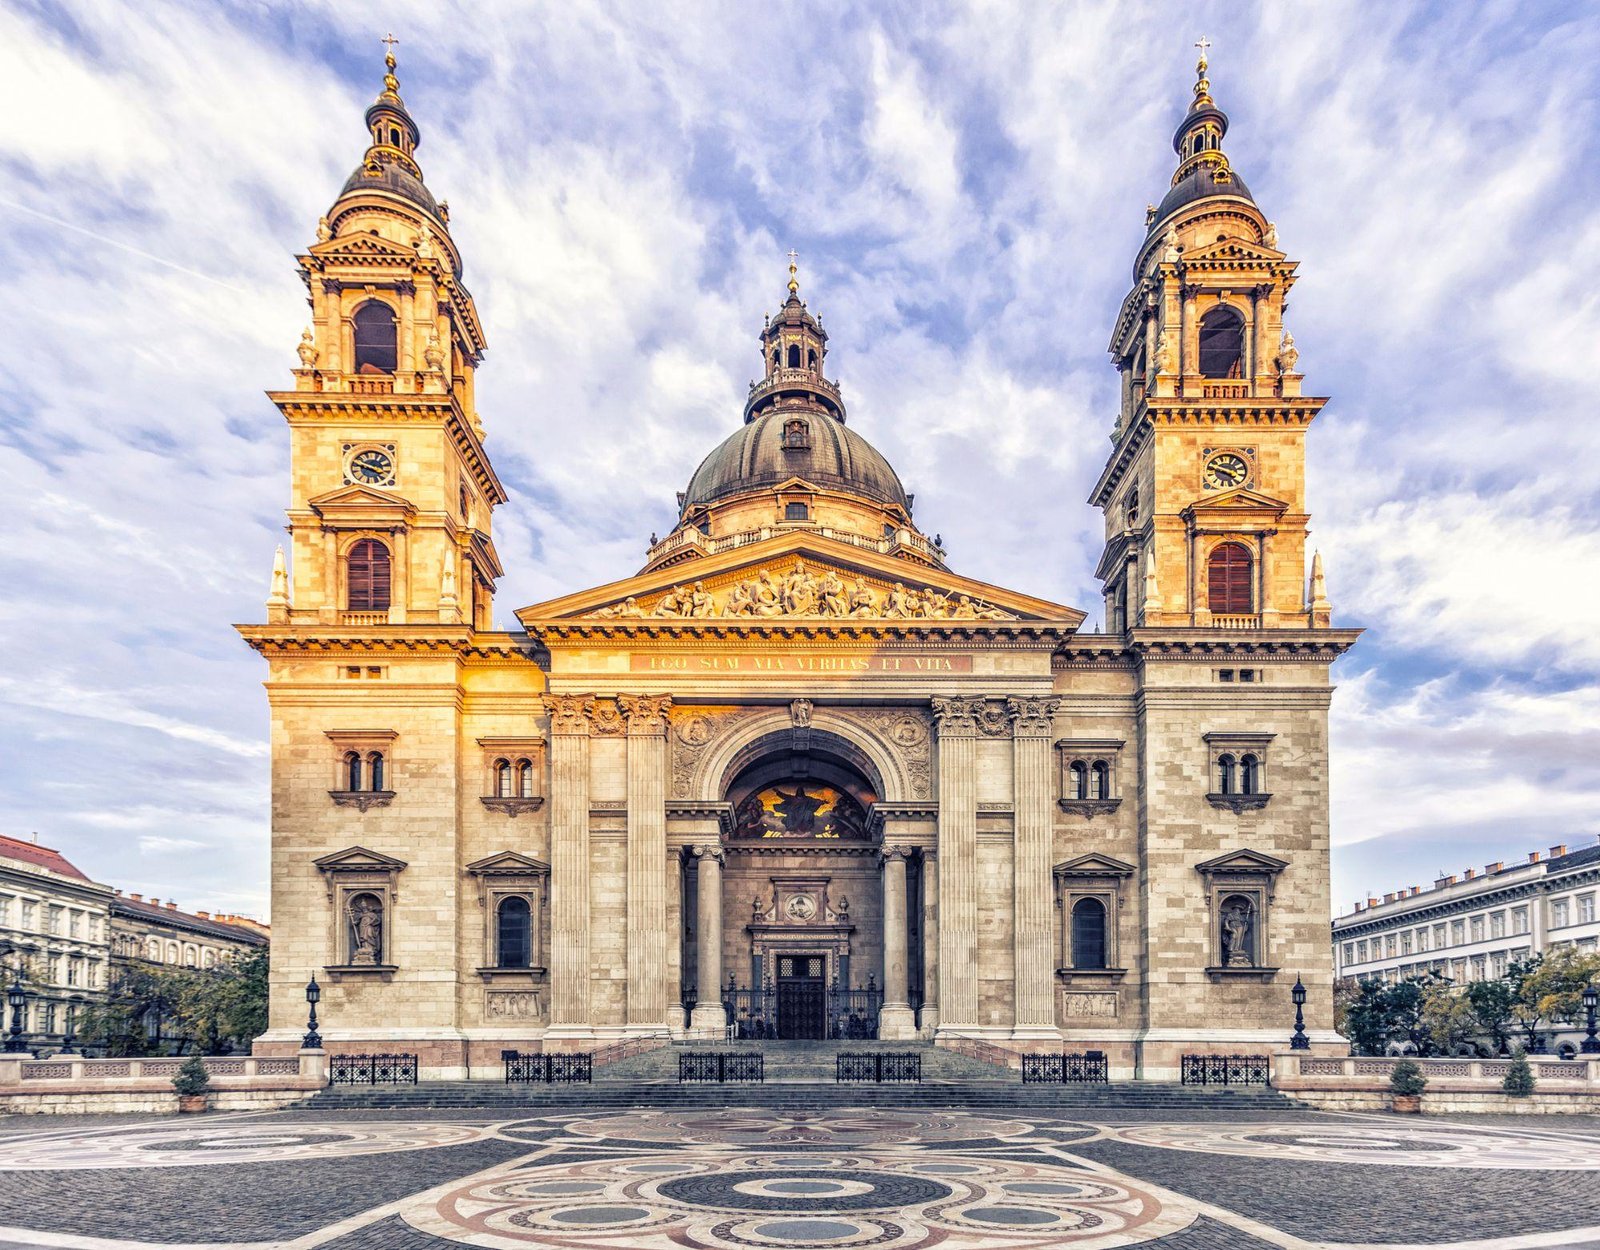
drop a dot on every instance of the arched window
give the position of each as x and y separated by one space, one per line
210 957
190 957
1249 775
794 356
1080 780
375 771
1237 917
352 771
1225 774
1228 577
775 357
525 779
155 951
1222 344
367 577
811 360
172 952
394 137
1101 781
376 339
513 933
1088 933
502 779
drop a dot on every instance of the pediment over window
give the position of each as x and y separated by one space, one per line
1243 862
359 859
1233 252
361 505
1238 503
508 863
1094 865
363 247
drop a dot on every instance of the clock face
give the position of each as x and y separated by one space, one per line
1226 470
372 467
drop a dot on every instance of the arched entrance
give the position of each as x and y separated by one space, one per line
802 917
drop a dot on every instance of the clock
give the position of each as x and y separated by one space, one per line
372 467
1226 470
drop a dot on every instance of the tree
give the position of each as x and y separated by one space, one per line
1525 1002
1493 1003
1554 989
1519 1075
1447 1017
211 1011
1408 1000
1368 1017
1407 1079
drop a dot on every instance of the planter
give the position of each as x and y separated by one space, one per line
1406 1104
191 1103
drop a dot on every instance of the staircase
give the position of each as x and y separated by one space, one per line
800 1077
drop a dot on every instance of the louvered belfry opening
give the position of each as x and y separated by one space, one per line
1222 344
1228 580
367 577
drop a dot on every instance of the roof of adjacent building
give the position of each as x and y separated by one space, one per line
155 913
40 857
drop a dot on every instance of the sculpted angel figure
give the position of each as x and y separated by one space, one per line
863 602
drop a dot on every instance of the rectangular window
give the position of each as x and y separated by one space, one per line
1477 928
1586 909
28 914
1247 674
55 920
1558 913
1224 674
1519 920
1458 932
5 912
1388 946
1349 952
1479 966
1422 939
75 924
1438 937
1497 964
1361 947
72 972
1405 943
1497 924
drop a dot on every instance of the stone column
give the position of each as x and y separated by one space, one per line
958 848
895 1021
708 1012
930 941
647 859
1033 908
569 865
674 941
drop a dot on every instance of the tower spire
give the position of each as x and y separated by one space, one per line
794 269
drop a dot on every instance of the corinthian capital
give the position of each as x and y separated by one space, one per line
957 716
567 714
1031 716
646 713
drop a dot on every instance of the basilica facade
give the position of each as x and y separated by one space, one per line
797 777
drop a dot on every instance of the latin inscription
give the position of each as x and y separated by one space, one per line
847 665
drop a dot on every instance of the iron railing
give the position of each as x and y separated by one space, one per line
372 1070
753 1014
721 1066
878 1066
852 1014
1090 1068
1226 1069
548 1069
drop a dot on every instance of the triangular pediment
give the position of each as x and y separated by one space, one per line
1232 251
359 859
364 246
1244 861
1241 499
800 575
358 499
509 863
1094 865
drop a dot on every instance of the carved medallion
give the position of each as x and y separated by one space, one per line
801 908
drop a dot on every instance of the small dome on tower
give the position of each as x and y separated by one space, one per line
1203 169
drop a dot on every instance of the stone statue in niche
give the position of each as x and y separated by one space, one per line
366 930
1236 944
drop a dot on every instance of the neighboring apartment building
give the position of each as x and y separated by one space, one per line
1472 927
54 931
159 933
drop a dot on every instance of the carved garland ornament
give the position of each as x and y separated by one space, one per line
802 593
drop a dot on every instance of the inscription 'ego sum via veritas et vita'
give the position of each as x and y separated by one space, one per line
831 665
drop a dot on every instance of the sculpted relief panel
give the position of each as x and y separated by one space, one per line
802 592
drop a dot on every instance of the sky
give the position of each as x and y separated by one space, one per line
965 185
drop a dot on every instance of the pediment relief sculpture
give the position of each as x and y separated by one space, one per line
802 592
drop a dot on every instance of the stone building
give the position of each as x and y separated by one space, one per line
797 768
152 932
55 933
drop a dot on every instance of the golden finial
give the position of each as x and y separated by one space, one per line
391 84
1202 85
794 282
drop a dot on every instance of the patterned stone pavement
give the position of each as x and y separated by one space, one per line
753 1178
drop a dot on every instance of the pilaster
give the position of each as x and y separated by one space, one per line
569 864
648 938
957 726
930 941
1034 916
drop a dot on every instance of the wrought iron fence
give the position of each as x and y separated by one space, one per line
372 1070
853 1014
752 1013
1226 1069
878 1066
548 1069
1090 1068
721 1066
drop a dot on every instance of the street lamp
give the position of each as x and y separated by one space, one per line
17 997
1591 1000
1299 1041
312 1039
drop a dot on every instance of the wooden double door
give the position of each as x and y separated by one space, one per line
802 997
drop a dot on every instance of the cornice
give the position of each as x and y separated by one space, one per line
1184 642
308 640
1018 634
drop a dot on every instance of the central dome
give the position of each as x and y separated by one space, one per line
784 443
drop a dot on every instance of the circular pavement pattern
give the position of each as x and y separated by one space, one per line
188 1146
760 1129
1397 1146
888 1198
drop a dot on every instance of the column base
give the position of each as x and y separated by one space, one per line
930 1021
896 1023
709 1017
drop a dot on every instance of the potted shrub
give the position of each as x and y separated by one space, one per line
1519 1076
1406 1084
192 1082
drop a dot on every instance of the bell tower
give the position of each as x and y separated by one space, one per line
1204 492
392 491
